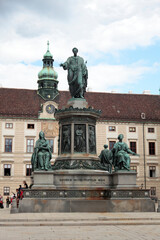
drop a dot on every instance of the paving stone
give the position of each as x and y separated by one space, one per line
80 226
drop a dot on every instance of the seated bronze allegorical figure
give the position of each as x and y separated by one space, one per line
121 158
42 154
106 158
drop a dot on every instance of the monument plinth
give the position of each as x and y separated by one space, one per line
79 180
77 136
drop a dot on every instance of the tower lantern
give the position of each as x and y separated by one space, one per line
47 78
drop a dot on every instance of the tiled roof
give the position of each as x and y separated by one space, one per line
19 103
126 107
119 107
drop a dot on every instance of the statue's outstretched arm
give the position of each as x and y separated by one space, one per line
65 65
131 152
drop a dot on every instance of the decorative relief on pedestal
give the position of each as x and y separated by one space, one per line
78 164
82 194
80 110
74 119
66 139
80 138
92 139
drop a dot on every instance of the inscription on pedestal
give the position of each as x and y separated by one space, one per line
83 181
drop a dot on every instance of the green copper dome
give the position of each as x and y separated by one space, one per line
48 73
48 54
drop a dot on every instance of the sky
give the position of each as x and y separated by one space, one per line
119 39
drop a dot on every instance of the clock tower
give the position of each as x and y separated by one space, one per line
47 78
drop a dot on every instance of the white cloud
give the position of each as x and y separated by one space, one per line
106 77
93 26
101 77
19 76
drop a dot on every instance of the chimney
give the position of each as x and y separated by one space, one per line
146 92
113 91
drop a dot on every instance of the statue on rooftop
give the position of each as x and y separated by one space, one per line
77 74
121 158
42 154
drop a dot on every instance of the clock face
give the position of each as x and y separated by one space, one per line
50 109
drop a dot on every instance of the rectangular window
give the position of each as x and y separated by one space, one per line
30 126
8 144
151 148
51 142
30 145
111 144
112 128
9 125
28 169
151 130
6 191
153 191
133 147
152 171
132 129
7 169
133 168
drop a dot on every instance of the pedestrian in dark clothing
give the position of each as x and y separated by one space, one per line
7 202
1 202
25 184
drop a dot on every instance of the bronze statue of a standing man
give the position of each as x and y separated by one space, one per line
77 74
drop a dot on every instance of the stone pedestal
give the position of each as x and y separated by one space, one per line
43 180
124 179
77 103
72 179
85 191
78 181
77 131
81 200
83 178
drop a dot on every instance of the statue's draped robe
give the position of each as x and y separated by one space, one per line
77 75
34 159
106 159
121 156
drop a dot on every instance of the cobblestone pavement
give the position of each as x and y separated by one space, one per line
149 232
79 226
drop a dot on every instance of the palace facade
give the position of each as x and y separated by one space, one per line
24 113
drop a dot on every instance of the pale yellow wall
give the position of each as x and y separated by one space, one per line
100 136
19 158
